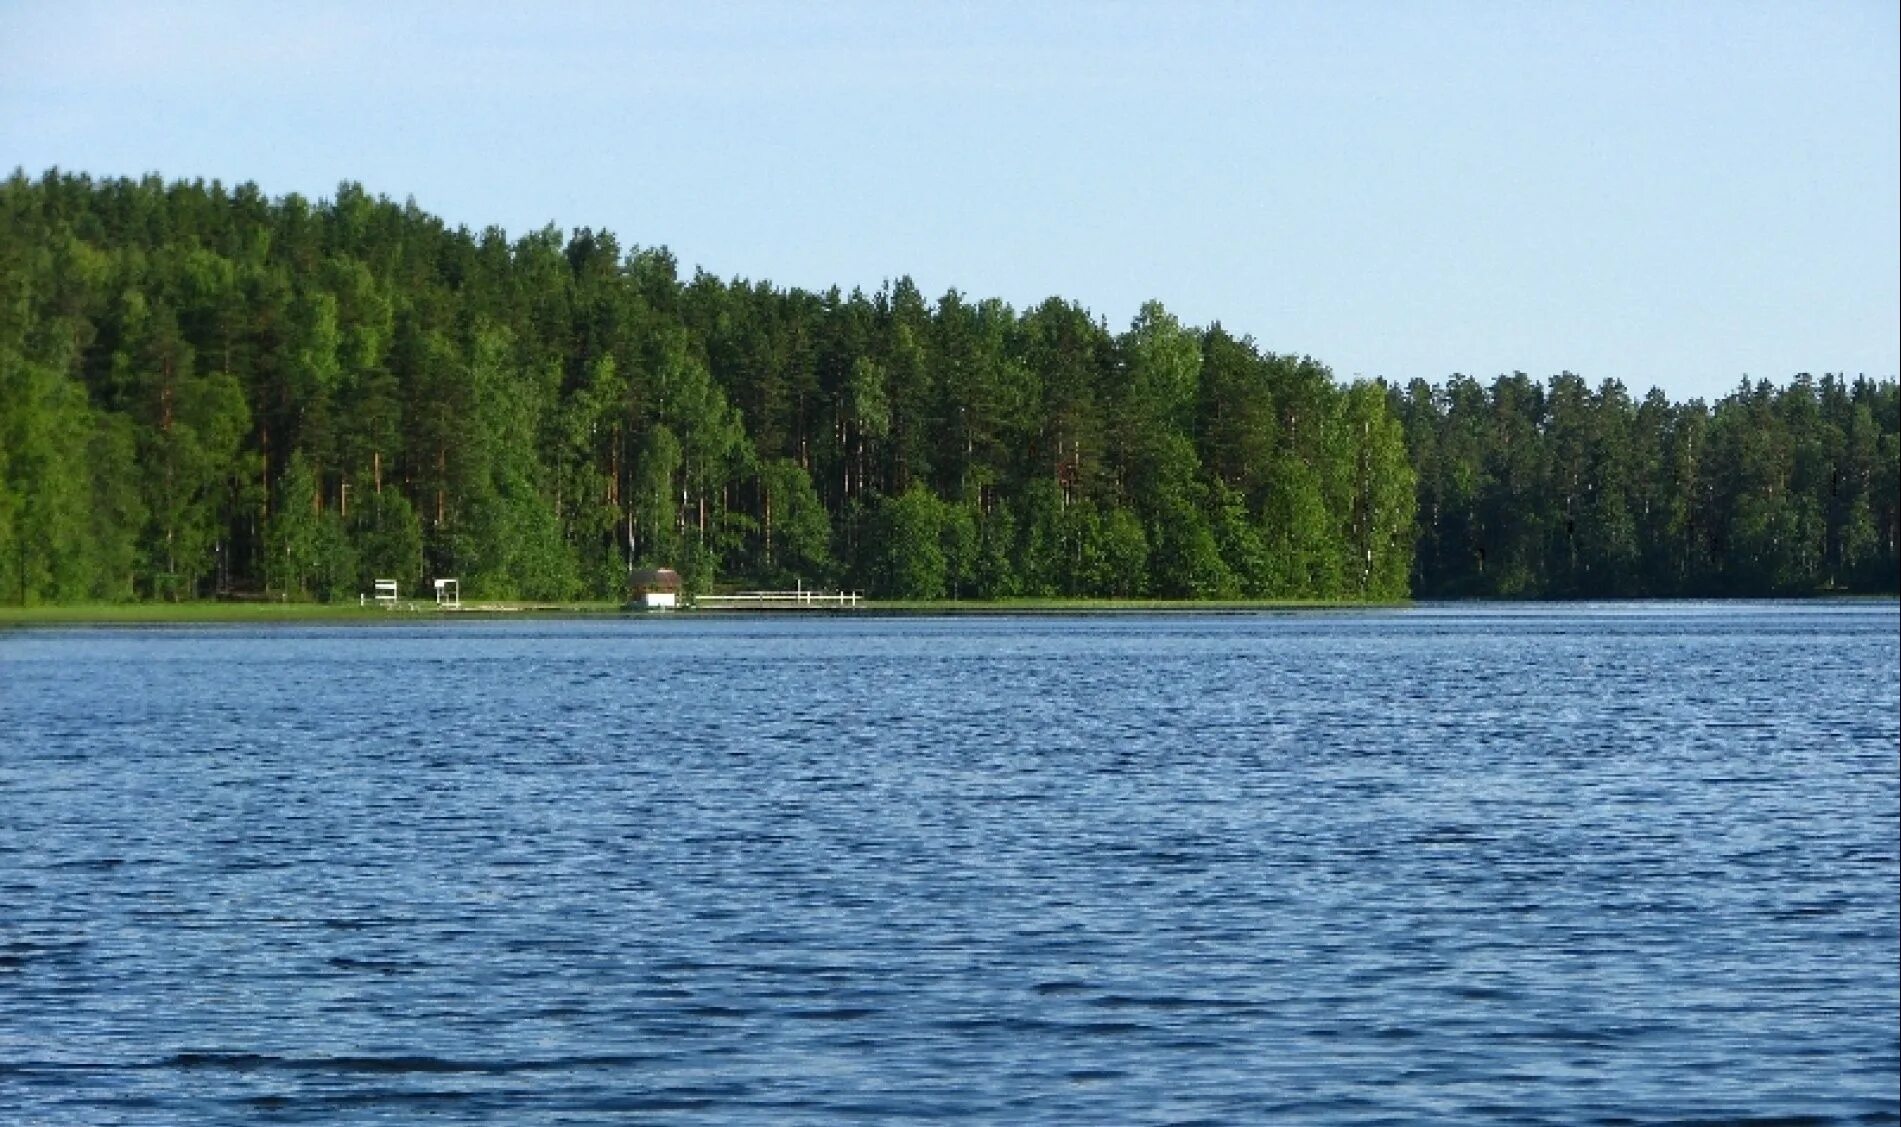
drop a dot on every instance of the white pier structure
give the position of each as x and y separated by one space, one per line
800 599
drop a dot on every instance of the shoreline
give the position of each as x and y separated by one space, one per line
323 614
328 614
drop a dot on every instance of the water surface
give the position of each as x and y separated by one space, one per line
1629 863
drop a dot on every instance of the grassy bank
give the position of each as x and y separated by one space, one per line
1108 606
213 613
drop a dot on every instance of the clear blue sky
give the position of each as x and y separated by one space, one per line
1674 193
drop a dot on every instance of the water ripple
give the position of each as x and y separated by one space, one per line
1598 865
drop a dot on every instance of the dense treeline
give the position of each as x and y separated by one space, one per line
206 392
209 391
1562 490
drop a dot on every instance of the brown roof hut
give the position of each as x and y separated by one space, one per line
655 587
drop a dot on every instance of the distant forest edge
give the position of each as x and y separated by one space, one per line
208 392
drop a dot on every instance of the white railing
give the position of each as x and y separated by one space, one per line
778 600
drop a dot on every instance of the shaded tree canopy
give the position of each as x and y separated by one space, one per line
1564 490
206 391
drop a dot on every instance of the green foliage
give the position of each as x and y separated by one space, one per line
1561 490
1383 505
1164 361
388 541
654 511
310 555
210 392
795 531
907 560
1125 553
1038 561
994 576
56 457
1240 542
1185 561
957 536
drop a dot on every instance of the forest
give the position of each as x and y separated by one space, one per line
206 393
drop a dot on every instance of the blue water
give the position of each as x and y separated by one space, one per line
1569 865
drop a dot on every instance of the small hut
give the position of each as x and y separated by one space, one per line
655 588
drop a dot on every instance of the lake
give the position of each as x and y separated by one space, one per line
1568 864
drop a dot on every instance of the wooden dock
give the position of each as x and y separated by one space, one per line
780 600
